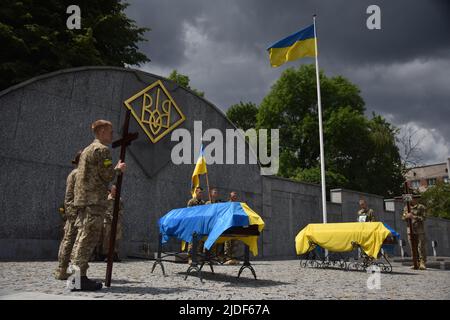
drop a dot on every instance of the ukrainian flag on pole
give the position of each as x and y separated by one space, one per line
200 168
298 45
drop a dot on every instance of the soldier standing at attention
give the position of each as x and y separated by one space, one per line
95 172
107 225
229 245
195 201
70 231
418 216
214 196
365 214
216 248
197 198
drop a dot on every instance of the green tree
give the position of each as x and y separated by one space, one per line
384 165
291 106
243 115
437 200
360 153
312 175
364 151
36 40
183 80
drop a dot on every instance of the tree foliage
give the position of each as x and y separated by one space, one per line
360 153
437 200
243 115
36 40
184 81
333 180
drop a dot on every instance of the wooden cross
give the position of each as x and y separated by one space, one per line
123 143
412 236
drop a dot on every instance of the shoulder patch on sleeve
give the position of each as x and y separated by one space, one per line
107 163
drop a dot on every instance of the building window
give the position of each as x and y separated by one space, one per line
415 184
431 182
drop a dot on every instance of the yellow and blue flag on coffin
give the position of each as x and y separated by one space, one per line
298 45
339 237
200 168
210 221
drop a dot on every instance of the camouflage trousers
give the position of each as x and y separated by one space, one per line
216 250
67 242
421 246
199 248
229 247
90 224
107 235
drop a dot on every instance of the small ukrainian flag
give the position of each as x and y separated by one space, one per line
298 45
200 168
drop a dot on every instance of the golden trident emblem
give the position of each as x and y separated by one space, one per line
155 111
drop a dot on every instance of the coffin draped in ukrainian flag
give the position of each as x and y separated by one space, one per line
394 233
210 221
338 237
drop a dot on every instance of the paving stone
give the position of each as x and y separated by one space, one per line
276 280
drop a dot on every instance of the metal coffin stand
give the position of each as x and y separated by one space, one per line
338 260
198 260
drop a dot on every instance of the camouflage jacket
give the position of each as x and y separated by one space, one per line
69 210
370 217
110 211
419 215
95 172
214 201
195 202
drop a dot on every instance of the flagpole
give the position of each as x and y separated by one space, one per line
207 181
207 185
319 105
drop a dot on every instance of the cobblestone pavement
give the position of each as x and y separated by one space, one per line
276 280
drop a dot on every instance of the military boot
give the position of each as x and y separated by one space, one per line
422 265
88 285
61 273
232 262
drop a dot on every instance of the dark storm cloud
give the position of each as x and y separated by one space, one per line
402 69
165 45
415 92
409 28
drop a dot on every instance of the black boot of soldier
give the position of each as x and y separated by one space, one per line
88 285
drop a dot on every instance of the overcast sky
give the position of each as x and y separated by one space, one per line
403 70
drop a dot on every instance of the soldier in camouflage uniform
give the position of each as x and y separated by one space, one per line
365 214
107 225
197 198
195 201
214 197
95 172
217 249
418 216
229 246
70 231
